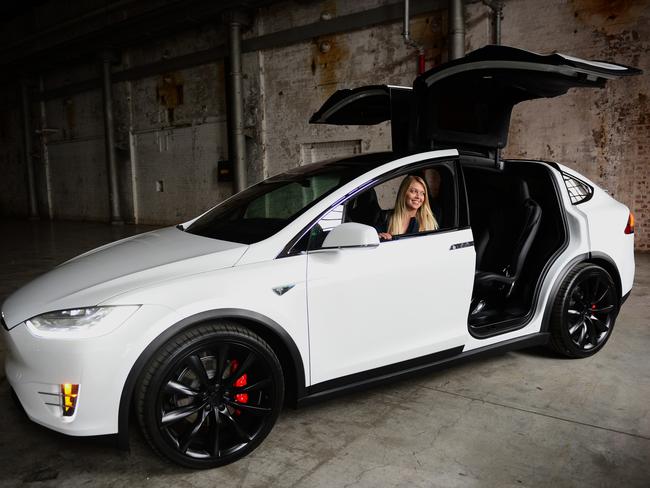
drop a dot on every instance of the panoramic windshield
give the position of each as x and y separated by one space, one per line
262 210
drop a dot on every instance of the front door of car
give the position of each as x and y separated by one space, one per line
375 306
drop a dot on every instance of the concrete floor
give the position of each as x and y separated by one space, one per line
521 419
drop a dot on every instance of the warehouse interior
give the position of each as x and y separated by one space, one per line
118 117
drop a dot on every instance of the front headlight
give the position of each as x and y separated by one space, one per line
80 322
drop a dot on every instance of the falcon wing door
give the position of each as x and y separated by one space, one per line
370 105
467 103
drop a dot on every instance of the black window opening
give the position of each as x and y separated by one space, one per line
374 205
579 191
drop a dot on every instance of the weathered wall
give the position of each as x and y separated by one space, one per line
14 198
171 128
320 67
175 127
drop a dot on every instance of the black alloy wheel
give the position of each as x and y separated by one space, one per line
210 395
584 312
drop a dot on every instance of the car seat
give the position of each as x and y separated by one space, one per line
490 283
364 209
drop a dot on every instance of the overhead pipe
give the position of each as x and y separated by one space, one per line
236 101
456 29
45 153
27 150
409 41
109 139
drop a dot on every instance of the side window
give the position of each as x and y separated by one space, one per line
376 205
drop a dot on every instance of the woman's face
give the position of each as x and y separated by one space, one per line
415 196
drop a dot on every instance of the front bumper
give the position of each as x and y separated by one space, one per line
36 367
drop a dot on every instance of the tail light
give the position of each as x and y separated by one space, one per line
629 228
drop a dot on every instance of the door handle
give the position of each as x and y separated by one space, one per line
460 245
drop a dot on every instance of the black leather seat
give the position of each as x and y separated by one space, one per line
364 209
489 282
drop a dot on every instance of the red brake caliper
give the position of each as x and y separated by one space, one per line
241 382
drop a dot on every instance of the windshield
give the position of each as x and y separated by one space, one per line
262 210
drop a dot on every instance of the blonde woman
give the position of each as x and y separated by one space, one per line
412 212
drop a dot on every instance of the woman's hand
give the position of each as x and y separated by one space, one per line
385 236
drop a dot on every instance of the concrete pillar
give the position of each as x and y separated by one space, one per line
109 139
235 21
27 148
456 29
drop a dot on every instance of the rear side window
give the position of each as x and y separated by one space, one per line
579 191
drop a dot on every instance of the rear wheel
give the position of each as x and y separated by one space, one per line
210 395
584 312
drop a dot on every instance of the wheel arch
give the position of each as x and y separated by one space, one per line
276 336
607 263
598 258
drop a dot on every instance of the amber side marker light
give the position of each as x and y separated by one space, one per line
69 394
629 228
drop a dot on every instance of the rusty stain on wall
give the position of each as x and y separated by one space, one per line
169 93
608 16
328 56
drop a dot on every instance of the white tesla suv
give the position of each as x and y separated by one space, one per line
284 293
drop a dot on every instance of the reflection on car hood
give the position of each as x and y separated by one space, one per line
118 267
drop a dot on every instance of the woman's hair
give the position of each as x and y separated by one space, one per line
424 215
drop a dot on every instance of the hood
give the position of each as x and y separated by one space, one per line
96 276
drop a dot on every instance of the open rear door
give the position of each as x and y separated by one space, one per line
370 105
467 103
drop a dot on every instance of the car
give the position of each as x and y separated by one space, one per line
285 294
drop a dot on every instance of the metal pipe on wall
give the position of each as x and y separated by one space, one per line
45 153
407 37
497 16
27 148
109 139
237 104
456 29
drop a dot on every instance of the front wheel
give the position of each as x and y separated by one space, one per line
210 395
584 312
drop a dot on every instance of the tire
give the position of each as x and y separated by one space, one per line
210 395
584 312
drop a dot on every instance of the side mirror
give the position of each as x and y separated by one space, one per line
351 234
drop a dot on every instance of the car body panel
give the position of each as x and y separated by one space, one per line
248 287
35 368
131 263
605 220
370 307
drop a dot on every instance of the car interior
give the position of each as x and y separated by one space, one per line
518 229
373 206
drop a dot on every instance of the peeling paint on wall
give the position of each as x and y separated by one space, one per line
169 93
